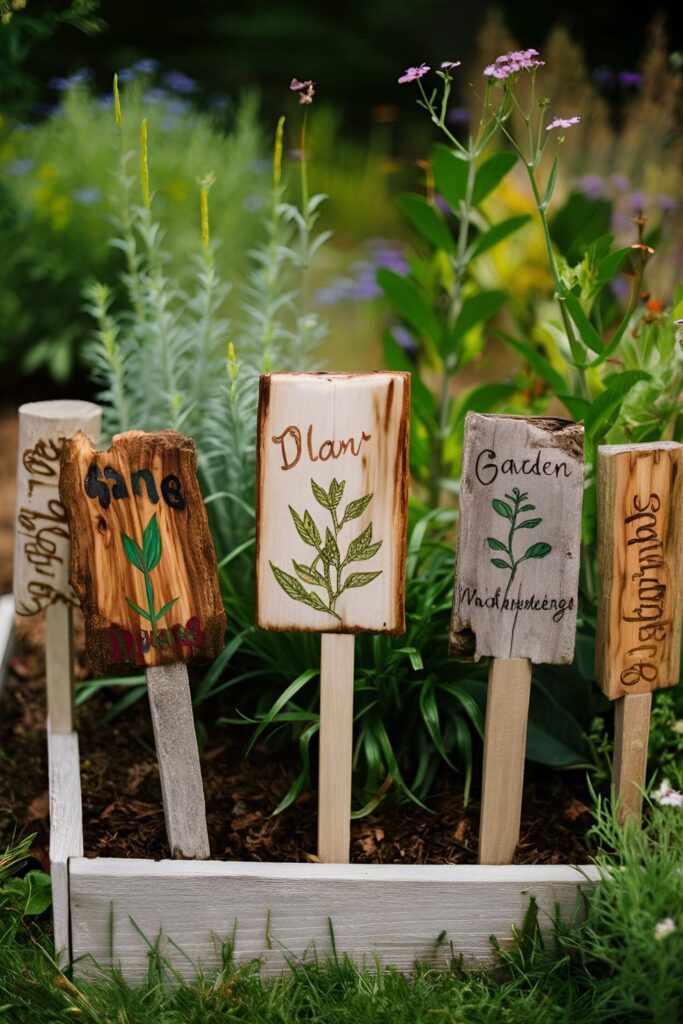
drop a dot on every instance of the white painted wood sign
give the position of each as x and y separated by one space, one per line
332 501
517 566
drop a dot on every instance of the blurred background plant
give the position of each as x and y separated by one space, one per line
463 263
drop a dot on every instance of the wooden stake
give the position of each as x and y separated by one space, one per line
179 769
631 734
507 708
336 743
59 660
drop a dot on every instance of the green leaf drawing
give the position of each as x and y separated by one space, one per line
326 571
151 544
133 552
147 558
512 512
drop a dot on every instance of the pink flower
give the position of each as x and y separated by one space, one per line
563 122
512 63
448 65
412 74
306 90
667 796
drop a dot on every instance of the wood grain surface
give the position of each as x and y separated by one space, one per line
640 557
143 563
392 912
332 501
517 565
41 542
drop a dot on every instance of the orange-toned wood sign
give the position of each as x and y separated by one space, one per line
143 562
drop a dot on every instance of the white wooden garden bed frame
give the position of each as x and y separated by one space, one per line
110 910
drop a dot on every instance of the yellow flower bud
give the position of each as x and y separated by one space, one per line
118 117
144 164
277 154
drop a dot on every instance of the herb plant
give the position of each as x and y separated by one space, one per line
145 559
511 512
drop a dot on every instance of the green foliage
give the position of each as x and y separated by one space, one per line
60 188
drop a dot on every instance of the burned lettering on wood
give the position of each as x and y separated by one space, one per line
518 541
143 560
332 496
640 538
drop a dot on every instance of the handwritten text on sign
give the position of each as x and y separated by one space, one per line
143 560
518 543
332 494
640 537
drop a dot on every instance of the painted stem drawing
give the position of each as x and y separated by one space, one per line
326 569
145 559
512 512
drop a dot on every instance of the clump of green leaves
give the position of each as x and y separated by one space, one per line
518 504
329 576
145 559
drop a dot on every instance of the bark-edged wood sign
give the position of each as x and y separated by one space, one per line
517 565
143 562
332 501
640 554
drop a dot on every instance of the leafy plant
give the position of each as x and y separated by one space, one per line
147 558
512 512
361 549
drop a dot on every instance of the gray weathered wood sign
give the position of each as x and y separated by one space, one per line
517 565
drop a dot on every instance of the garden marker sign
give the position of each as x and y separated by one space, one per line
516 586
42 550
640 553
144 567
331 540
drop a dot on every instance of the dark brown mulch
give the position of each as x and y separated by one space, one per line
122 797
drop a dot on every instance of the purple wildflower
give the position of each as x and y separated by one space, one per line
178 81
87 196
458 115
637 202
667 204
126 75
412 74
174 105
620 182
630 78
305 89
146 66
563 122
80 77
448 65
509 64
154 95
592 185
405 339
105 101
603 76
20 167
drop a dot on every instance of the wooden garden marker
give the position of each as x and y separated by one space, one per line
516 587
640 556
331 541
42 549
144 568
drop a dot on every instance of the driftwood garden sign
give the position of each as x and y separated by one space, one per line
331 541
143 564
516 586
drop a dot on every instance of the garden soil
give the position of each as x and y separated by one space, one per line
122 807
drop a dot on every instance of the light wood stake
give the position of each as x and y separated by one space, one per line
176 743
507 708
631 733
336 742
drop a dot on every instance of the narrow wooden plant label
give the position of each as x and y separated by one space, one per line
640 553
517 565
143 562
332 501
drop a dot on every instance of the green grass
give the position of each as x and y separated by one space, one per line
605 968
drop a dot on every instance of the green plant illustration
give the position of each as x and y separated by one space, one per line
326 569
146 558
512 512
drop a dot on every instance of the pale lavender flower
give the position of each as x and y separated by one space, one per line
664 928
592 185
146 66
155 95
509 64
405 339
178 81
458 115
667 796
620 182
448 65
174 105
563 122
629 78
412 74
126 75
667 204
637 202
87 196
20 167
305 89
105 101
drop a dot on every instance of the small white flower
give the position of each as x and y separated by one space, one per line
667 796
664 928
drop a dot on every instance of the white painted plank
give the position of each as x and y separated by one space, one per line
336 747
395 911
59 667
6 634
66 828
